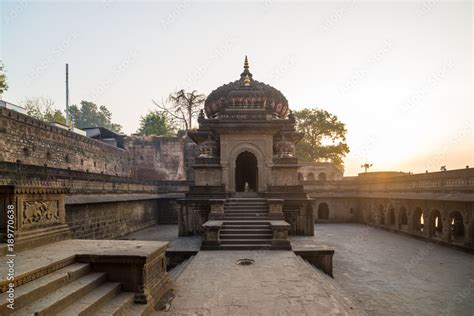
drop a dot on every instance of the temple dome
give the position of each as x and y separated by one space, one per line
246 93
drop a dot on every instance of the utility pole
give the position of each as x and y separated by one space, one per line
67 95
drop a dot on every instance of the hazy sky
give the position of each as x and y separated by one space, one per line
399 74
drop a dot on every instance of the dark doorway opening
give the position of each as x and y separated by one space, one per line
323 211
246 171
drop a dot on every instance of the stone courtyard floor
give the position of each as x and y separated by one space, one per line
278 283
392 274
384 273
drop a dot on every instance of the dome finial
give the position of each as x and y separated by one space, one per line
247 80
246 63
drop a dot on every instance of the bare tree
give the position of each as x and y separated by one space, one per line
182 106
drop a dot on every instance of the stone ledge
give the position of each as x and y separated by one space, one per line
109 198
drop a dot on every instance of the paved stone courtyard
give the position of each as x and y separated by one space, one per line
392 274
278 283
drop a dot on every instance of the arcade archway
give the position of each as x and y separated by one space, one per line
246 171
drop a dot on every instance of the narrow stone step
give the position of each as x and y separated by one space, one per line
36 289
62 297
118 305
90 302
245 218
245 241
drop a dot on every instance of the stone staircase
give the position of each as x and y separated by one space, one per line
246 224
73 290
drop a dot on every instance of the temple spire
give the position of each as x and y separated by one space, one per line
246 63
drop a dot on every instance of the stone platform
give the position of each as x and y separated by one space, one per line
278 283
56 278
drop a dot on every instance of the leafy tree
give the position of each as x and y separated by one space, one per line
324 137
91 115
155 123
3 80
43 109
182 106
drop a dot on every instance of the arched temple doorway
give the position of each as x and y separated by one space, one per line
323 211
246 171
456 228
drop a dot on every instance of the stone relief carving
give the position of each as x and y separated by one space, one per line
208 149
284 149
40 212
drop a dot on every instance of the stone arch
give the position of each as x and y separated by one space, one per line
436 224
418 221
300 177
310 176
251 148
322 176
381 215
403 216
323 211
246 172
391 216
456 227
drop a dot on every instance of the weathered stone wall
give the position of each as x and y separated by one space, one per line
31 141
110 220
158 157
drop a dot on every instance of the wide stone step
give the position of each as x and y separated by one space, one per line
249 206
245 230
245 241
252 222
245 236
245 226
42 286
245 218
118 305
62 297
245 215
246 247
93 300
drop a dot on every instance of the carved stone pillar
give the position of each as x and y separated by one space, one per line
217 209
276 208
211 239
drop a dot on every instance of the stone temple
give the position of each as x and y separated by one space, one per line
246 174
222 220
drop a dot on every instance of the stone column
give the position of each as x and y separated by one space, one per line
211 235
276 209
280 239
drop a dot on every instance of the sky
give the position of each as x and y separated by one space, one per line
398 74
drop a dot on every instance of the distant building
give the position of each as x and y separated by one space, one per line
319 171
105 135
